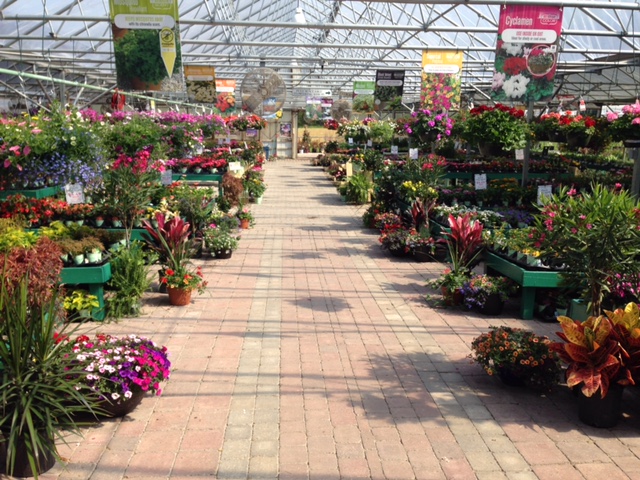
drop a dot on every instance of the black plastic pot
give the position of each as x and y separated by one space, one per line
600 412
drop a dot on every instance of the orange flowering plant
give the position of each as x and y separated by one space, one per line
185 278
519 352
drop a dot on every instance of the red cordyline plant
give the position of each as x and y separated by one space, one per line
170 240
464 241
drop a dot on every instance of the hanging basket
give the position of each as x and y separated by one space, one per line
179 297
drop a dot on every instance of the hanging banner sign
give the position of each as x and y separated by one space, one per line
526 53
226 96
201 83
388 90
441 79
363 100
146 42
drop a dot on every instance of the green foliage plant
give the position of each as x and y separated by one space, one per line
499 125
594 234
40 401
358 189
129 281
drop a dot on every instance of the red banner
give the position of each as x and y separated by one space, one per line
526 53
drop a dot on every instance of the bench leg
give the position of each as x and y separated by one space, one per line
98 291
527 303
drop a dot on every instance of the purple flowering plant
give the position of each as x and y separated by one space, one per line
117 367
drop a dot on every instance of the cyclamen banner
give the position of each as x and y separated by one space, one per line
526 53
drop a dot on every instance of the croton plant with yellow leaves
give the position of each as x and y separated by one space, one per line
601 351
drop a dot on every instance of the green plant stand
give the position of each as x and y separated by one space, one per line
37 193
94 278
202 178
529 280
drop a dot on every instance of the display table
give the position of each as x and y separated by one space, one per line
203 179
529 280
94 278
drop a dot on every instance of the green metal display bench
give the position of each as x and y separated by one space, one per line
33 193
94 278
529 280
204 178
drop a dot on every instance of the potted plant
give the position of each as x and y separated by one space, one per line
358 189
487 294
594 235
394 239
245 216
220 241
450 284
140 363
181 282
592 353
496 129
92 249
625 127
427 127
80 304
517 356
34 380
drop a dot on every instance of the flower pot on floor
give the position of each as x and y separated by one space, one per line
223 254
22 468
122 406
179 297
244 224
601 412
452 298
493 305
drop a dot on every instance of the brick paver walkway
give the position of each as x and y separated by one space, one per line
314 355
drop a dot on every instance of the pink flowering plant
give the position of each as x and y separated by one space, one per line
427 126
117 367
625 126
593 235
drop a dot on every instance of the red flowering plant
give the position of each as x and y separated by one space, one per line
35 212
331 124
579 124
115 368
246 122
548 127
499 125
185 278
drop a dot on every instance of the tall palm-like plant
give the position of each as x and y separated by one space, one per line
464 242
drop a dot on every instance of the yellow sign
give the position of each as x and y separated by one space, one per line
441 70
168 49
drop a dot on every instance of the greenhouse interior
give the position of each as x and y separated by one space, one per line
319 239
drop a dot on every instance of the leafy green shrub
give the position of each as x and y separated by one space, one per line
129 281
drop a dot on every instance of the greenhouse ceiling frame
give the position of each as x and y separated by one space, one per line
335 43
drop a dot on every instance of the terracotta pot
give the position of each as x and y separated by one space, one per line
244 224
179 296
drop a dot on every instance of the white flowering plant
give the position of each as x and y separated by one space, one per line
117 367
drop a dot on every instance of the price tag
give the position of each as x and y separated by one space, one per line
480 181
166 177
544 191
252 132
413 153
520 154
583 105
369 143
350 140
220 140
74 193
227 140
394 149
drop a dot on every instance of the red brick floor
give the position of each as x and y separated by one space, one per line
314 354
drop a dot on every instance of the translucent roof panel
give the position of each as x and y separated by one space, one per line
320 45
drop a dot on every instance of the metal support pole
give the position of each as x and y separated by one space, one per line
634 154
527 148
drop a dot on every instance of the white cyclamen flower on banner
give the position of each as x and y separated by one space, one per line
516 86
512 48
498 80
